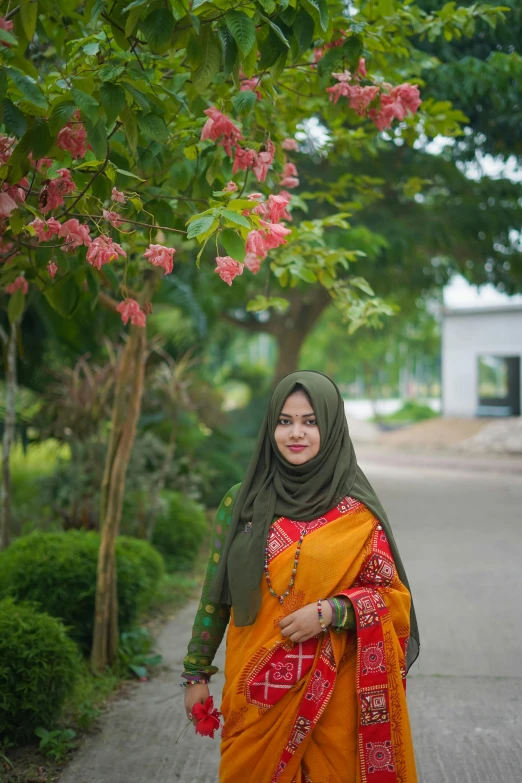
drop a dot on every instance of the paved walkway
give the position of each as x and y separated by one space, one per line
459 534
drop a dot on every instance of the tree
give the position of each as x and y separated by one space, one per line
104 110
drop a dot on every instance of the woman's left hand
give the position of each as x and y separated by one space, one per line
304 623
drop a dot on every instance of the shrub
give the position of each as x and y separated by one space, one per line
39 665
58 572
180 529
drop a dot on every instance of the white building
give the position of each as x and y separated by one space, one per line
481 352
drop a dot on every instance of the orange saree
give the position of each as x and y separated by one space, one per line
331 709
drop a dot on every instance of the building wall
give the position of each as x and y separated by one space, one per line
465 337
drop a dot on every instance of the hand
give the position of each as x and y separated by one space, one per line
195 694
304 623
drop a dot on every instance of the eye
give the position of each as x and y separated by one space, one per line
313 422
283 421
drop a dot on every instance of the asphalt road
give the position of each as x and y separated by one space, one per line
460 538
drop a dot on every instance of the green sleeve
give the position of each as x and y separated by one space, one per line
349 619
211 618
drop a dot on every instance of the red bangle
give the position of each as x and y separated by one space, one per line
319 612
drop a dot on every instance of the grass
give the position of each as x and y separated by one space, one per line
410 412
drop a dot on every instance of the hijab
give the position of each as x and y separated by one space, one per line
273 487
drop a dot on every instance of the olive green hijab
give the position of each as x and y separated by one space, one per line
273 487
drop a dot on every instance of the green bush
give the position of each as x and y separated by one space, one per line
39 665
180 530
58 572
411 411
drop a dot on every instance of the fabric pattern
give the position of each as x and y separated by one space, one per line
212 619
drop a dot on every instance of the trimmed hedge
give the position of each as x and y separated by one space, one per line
39 665
57 571
180 530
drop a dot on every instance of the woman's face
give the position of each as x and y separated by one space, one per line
297 434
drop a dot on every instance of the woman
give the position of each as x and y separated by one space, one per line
306 573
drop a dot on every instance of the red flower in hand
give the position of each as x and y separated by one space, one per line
207 718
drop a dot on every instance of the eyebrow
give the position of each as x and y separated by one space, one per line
305 415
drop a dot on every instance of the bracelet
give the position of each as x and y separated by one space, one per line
321 621
199 681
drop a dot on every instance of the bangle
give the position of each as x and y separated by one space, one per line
199 681
321 621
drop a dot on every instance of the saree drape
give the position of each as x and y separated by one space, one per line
331 709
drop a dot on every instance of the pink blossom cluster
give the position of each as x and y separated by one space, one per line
117 195
251 84
20 282
130 310
112 217
46 229
73 136
75 235
395 102
6 24
52 193
228 268
52 268
158 255
7 144
102 250
11 195
318 53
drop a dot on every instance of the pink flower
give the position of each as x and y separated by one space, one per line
7 143
51 195
113 217
290 182
274 234
45 230
264 161
361 68
251 84
260 209
158 255
5 25
117 195
244 159
52 268
129 309
255 244
219 125
74 233
228 268
17 192
43 162
20 282
253 263
7 205
255 196
72 138
289 179
397 103
231 187
361 97
102 250
277 207
289 144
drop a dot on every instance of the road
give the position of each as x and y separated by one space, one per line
459 532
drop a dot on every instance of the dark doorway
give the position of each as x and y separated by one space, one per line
498 386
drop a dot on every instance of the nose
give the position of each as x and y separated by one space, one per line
296 430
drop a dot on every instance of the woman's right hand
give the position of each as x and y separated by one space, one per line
195 694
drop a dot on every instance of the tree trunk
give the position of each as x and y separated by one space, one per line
8 439
290 343
125 414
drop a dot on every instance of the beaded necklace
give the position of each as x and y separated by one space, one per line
282 597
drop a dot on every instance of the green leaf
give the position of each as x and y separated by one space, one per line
233 244
271 49
16 221
8 37
139 97
60 115
28 87
319 8
362 285
243 30
16 305
277 30
112 97
92 48
129 174
153 127
63 296
306 274
331 60
28 14
97 136
135 4
14 121
229 47
157 28
130 126
303 28
259 303
110 71
89 105
39 139
199 226
352 50
132 21
209 60
234 217
244 101
93 285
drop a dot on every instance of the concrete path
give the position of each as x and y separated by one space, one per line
459 533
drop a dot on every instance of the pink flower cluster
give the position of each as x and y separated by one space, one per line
7 144
318 53
20 282
7 25
73 136
117 195
228 268
221 129
11 195
102 250
158 255
52 193
75 235
395 102
112 217
251 84
46 229
130 310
